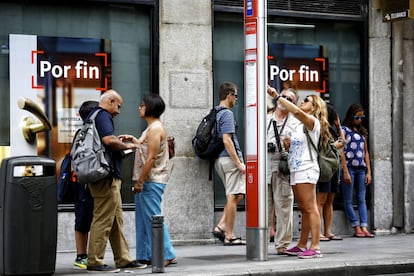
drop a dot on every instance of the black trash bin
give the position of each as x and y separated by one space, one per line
28 215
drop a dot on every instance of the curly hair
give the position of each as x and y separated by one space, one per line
349 119
321 113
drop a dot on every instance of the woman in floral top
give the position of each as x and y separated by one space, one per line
356 170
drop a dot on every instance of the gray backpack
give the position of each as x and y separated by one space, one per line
90 161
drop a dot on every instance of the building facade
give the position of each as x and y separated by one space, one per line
183 50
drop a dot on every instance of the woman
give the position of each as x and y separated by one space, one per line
356 169
326 190
151 174
304 169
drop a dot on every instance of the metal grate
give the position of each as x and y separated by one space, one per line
345 7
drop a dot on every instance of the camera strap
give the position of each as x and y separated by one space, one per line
277 134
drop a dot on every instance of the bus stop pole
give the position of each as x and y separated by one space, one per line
255 75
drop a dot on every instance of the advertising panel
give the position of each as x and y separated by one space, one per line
60 73
299 66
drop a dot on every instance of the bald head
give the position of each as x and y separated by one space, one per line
111 101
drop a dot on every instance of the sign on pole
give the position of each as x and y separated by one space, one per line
255 75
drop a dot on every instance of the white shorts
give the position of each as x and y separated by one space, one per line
306 176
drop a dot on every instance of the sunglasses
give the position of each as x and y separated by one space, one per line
234 94
359 117
306 100
287 98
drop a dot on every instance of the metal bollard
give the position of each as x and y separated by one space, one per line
157 242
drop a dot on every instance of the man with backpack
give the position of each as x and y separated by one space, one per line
107 222
229 166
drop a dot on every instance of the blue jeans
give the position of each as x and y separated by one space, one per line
148 204
357 181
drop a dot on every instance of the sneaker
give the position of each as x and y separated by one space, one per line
294 251
310 253
134 265
102 269
80 263
144 262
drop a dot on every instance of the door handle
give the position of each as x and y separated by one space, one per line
30 127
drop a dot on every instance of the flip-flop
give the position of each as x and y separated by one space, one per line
359 234
170 262
234 241
218 234
335 238
367 234
323 238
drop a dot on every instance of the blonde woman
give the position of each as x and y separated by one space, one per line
304 169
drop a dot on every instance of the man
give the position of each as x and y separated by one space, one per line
280 183
107 220
229 166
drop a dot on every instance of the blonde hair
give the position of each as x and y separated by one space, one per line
320 111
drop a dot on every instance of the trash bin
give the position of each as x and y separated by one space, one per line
28 215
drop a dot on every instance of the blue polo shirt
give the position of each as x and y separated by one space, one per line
227 124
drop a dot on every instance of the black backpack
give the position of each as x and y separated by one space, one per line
206 143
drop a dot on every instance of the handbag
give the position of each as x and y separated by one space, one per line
171 146
284 156
283 163
328 158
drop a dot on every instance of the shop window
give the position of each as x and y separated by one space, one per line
339 41
128 30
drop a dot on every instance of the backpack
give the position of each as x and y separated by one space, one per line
66 181
206 143
328 158
89 157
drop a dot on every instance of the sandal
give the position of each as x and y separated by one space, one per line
219 234
170 262
234 241
367 234
358 232
334 237
323 238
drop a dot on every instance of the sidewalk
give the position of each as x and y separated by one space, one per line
351 256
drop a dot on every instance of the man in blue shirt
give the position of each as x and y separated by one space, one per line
229 166
107 223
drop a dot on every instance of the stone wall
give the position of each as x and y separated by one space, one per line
186 84
391 145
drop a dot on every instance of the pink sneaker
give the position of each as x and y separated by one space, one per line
294 251
310 253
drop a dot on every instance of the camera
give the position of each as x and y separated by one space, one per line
271 147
